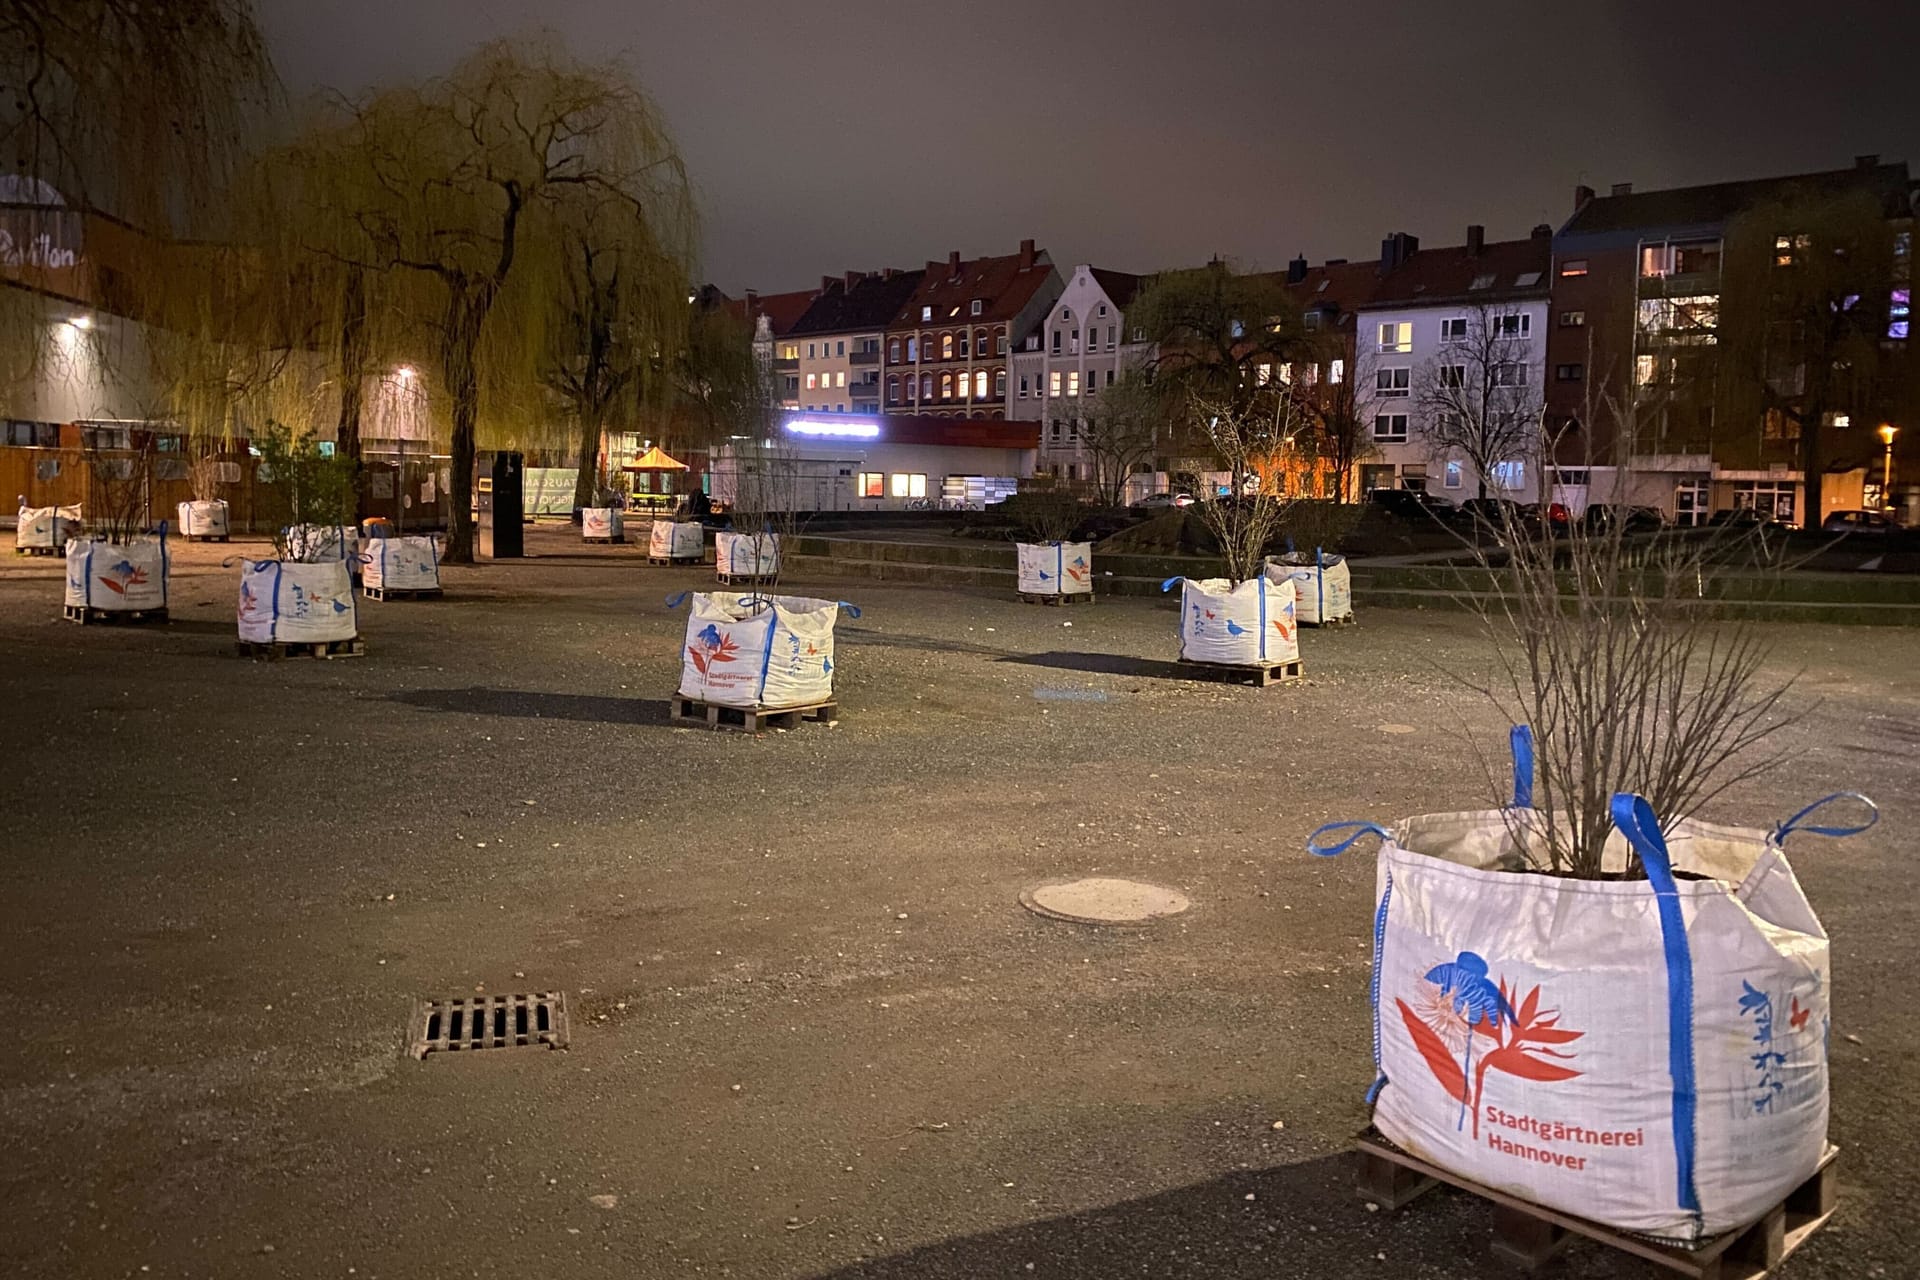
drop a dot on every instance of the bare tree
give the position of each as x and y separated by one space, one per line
1340 411
1477 399
1246 435
1121 430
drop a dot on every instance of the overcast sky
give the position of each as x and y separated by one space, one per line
1134 134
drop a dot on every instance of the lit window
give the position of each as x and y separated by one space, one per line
999 384
1337 372
975 309
810 381
1453 329
1262 374
893 351
1508 475
1393 382
1788 250
1396 337
926 313
1572 319
1053 383
1073 382
1838 421
1568 373
980 384
946 386
870 484
1573 268
1451 476
1645 370
840 379
909 485
1390 426
913 350
946 346
1286 372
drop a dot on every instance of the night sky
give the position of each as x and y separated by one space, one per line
1136 134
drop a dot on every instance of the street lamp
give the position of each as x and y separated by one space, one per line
1887 432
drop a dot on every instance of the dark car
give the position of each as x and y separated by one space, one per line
1414 504
1859 522
1495 513
1550 517
1610 515
1743 518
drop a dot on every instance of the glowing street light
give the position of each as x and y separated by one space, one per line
405 373
1887 432
81 322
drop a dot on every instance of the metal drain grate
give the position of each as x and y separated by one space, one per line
488 1022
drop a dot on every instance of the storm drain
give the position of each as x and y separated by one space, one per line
469 1023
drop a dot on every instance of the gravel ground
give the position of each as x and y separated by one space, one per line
814 1035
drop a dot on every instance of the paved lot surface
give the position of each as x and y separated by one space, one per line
814 1034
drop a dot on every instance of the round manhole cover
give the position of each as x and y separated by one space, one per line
1104 900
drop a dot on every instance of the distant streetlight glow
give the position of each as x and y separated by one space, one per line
406 372
1887 432
834 428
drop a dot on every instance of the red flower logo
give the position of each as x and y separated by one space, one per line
1521 1045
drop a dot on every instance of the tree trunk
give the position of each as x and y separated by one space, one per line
586 484
1811 467
353 365
463 386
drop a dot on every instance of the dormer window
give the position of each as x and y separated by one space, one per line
976 308
926 313
1481 282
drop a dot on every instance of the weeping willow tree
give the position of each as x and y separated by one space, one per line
438 218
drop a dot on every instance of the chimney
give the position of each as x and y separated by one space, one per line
1623 188
1866 162
1297 270
854 278
933 269
1541 231
827 282
1582 197
1396 249
1476 239
753 301
953 265
1026 254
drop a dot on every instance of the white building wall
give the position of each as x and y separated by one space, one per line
826 472
1084 342
1418 451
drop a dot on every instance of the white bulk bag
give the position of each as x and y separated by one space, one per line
400 564
313 543
124 577
675 540
1250 625
759 651
1322 585
1650 1054
287 600
1055 568
602 522
46 526
204 519
748 555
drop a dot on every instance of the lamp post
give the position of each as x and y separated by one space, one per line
1887 432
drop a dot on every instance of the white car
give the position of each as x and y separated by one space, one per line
1161 502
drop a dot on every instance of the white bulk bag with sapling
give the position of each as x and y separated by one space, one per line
747 555
1250 625
312 543
1322 585
1646 1053
675 540
1055 568
46 527
407 563
757 652
117 577
204 519
602 522
296 603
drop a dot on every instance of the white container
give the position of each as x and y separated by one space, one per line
400 564
1055 568
759 652
747 555
46 527
1650 1054
314 543
602 522
296 602
204 519
1250 625
676 540
1322 585
127 577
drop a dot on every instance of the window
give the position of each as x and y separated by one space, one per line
893 352
1836 420
840 378
1390 427
810 381
790 352
1139 334
913 350
1788 250
946 346
1573 268
1053 383
999 384
1453 375
1262 374
1687 257
1102 309
809 351
840 347
1337 372
1286 372
1023 386
975 308
1450 474
870 484
1396 337
1508 476
1111 329
909 485
1393 382
926 386
946 386
1453 329
1526 280
1573 319
926 313
1482 282
966 345
1567 373
980 384
1000 343
1073 382
1509 374
1056 429
1066 313
893 390
1110 376
1073 343
44 435
1056 342
1516 325
1645 370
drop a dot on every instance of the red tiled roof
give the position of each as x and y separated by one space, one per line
1002 286
782 310
1120 286
1508 269
1340 287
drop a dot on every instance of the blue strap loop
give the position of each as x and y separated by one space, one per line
853 610
1521 741
1361 830
1792 824
1634 818
1168 584
678 599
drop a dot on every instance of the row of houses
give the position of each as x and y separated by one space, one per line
1607 335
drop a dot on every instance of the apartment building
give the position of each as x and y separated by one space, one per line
771 317
1451 358
838 340
1676 378
1081 346
949 349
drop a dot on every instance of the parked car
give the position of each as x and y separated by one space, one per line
1495 513
1604 515
1414 504
1547 517
1161 502
1743 518
1859 522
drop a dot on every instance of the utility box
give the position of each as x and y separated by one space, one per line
500 489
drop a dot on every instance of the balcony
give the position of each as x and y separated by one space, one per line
787 365
864 390
860 359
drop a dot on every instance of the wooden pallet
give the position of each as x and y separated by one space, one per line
1532 1235
605 542
207 537
1336 622
693 711
745 579
1260 677
278 649
674 559
400 593
84 614
38 551
1042 597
